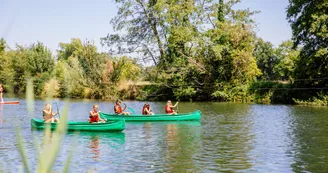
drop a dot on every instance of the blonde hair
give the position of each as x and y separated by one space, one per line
94 106
47 107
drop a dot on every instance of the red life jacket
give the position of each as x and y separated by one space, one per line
168 109
94 118
118 109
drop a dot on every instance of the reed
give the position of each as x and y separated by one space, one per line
51 141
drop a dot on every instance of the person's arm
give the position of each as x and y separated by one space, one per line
174 105
46 113
147 111
93 114
100 119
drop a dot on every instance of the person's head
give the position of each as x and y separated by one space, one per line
147 105
47 107
118 101
95 107
169 102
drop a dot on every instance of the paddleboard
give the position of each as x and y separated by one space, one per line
10 103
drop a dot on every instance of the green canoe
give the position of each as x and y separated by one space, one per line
157 117
117 125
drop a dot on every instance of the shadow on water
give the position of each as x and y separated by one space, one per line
309 135
181 144
226 138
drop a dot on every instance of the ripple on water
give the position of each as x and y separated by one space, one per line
229 138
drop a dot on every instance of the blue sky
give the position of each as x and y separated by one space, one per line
53 21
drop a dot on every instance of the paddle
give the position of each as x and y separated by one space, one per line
178 108
57 109
132 110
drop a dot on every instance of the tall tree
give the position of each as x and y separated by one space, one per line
266 59
287 57
145 31
309 22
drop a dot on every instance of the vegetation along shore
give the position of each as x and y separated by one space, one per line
182 51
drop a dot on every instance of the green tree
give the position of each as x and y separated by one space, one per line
3 45
287 56
309 21
206 45
266 59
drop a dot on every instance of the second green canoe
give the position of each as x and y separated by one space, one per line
192 116
117 125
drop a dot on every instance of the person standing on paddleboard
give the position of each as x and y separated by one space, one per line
1 92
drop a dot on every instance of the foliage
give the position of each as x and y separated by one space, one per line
308 19
266 59
272 92
287 56
78 71
34 61
320 100
83 72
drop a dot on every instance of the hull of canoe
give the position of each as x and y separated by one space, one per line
10 103
117 125
193 116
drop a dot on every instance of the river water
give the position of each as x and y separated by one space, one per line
229 138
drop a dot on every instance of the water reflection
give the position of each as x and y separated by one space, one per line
182 143
94 146
310 143
1 114
227 139
147 130
112 139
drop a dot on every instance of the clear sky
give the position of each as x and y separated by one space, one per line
53 21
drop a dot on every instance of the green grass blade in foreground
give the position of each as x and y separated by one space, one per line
46 140
21 150
30 97
48 158
70 156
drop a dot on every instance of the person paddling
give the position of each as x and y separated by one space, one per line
94 115
1 92
146 110
169 107
48 116
118 109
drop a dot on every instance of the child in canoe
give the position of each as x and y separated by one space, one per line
169 108
94 115
1 92
118 109
48 116
146 110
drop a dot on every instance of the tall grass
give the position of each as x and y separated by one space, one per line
51 140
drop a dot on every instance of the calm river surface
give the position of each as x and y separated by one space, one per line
229 138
